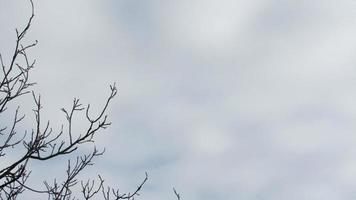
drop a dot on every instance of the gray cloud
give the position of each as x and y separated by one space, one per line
223 99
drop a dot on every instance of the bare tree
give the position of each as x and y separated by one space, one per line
176 193
42 143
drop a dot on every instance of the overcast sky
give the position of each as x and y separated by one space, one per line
223 99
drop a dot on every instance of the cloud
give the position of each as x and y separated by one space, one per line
222 99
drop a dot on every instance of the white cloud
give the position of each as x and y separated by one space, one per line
215 97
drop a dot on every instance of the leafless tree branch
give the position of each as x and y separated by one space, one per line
43 143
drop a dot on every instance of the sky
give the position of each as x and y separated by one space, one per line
222 99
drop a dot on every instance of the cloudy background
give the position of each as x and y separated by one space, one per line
223 99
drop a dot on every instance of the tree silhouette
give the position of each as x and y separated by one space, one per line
42 143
